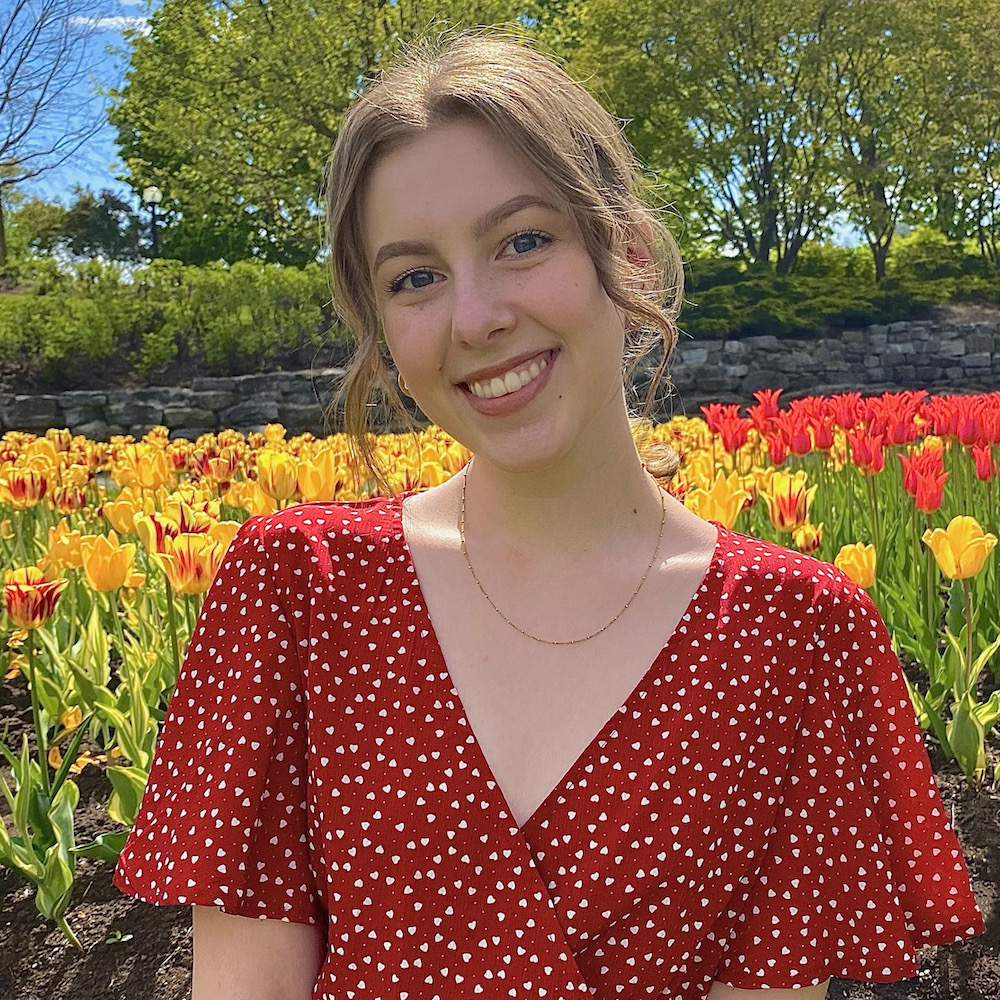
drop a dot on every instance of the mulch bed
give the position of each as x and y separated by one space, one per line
37 963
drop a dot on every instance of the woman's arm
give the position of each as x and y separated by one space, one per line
243 958
720 992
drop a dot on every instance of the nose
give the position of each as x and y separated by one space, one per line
481 307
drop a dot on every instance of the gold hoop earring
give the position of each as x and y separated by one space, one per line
402 386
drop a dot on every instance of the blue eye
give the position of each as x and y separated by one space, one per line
420 279
524 243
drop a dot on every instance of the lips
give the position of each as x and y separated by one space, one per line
513 380
499 397
501 370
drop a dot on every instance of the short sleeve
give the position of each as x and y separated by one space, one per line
861 866
223 820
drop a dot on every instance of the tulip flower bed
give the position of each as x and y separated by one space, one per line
109 549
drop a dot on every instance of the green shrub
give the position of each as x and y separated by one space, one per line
232 320
973 288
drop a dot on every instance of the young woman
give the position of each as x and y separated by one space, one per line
539 731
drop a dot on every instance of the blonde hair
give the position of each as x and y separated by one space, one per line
497 79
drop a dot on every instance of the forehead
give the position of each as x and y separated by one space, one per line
442 179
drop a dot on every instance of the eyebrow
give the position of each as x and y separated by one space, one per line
487 221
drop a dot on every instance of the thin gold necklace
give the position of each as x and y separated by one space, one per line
538 638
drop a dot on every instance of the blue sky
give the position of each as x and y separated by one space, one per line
95 164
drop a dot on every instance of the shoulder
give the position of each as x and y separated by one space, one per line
763 571
324 539
362 520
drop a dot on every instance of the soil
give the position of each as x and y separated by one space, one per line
154 963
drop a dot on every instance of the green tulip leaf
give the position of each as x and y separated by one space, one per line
967 737
129 783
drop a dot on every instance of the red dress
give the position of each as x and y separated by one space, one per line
761 810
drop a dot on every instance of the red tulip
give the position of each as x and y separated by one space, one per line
768 399
733 430
777 449
866 451
986 466
929 492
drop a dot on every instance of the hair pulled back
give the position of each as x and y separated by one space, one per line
497 79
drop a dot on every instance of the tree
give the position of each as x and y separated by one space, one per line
891 62
231 109
966 170
44 54
97 226
30 223
731 99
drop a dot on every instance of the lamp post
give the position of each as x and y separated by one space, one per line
152 196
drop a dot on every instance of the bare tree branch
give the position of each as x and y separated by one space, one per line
45 53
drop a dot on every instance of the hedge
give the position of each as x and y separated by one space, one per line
234 320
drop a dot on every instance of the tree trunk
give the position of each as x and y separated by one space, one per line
3 235
880 251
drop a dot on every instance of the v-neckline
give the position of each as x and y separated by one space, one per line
601 737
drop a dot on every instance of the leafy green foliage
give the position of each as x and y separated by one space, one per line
833 287
229 320
232 109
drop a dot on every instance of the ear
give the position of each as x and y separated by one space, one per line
639 253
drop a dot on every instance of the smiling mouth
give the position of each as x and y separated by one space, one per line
512 381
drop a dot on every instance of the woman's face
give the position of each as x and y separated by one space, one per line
490 304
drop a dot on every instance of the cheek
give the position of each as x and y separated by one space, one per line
411 343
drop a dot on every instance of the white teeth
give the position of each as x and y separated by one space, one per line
510 382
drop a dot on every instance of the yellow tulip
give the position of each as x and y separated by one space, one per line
193 519
319 475
858 561
198 496
961 548
45 448
76 475
248 495
788 499
154 530
23 487
431 473
63 549
697 470
190 562
29 598
224 532
68 499
808 537
274 433
107 565
61 437
276 474
153 468
722 503
120 513
455 457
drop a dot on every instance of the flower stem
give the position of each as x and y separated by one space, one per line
970 680
116 618
40 741
174 651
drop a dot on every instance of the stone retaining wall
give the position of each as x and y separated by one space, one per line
937 355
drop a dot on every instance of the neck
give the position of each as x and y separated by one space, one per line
567 510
